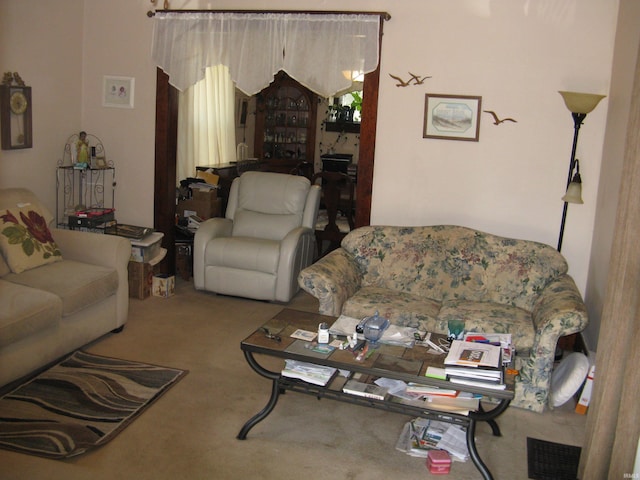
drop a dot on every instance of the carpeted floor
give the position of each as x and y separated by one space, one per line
190 433
80 403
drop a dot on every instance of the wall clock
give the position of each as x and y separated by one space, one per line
15 113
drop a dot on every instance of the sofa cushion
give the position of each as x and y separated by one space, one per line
78 284
26 311
489 317
401 308
244 253
25 238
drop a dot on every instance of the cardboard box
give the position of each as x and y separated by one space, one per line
141 276
585 396
204 195
147 248
164 285
206 204
140 279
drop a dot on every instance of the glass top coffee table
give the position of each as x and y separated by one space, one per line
395 362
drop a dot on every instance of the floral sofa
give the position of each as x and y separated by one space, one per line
423 277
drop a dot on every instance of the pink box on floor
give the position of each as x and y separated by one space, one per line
439 462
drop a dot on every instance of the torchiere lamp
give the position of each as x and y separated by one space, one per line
579 104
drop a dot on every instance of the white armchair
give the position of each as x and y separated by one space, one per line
266 238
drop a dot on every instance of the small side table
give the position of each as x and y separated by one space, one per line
184 252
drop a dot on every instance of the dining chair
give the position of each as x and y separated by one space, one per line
336 215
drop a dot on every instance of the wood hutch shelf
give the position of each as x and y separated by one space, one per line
285 124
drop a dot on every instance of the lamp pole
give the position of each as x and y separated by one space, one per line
577 123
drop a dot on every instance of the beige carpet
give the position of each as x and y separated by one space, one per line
190 433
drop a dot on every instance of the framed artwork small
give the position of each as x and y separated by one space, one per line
452 117
118 91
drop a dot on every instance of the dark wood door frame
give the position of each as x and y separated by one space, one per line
165 157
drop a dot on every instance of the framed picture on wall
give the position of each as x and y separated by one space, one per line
452 117
118 91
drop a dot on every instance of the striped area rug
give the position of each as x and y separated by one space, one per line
79 404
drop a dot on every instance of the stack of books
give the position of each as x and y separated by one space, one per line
475 364
368 390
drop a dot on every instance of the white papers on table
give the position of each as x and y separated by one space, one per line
309 372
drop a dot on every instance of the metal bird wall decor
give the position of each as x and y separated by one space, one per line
414 80
498 121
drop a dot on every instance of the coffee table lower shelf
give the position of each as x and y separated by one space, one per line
281 384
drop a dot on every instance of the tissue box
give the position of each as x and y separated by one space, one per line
439 462
164 285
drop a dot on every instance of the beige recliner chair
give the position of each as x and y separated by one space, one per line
265 239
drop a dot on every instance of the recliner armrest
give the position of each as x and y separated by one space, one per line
208 230
332 280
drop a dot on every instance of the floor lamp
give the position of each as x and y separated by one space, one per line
579 104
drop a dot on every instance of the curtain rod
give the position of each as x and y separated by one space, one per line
383 15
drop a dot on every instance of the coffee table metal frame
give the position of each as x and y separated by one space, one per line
258 343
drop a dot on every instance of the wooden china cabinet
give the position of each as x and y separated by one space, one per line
285 124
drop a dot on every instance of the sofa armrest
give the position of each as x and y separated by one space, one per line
332 280
100 249
94 248
208 230
558 311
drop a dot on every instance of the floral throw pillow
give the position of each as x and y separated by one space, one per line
25 239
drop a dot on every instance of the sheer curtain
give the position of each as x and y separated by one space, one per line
206 128
315 49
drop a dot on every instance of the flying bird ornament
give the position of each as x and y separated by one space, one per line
498 121
414 80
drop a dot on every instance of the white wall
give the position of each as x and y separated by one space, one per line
516 54
42 41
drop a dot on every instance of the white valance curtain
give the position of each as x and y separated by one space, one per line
319 50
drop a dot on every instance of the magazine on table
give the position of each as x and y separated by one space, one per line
501 339
474 354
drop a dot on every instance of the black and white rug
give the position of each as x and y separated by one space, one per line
79 404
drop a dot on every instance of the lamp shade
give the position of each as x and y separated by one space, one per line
574 191
581 102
